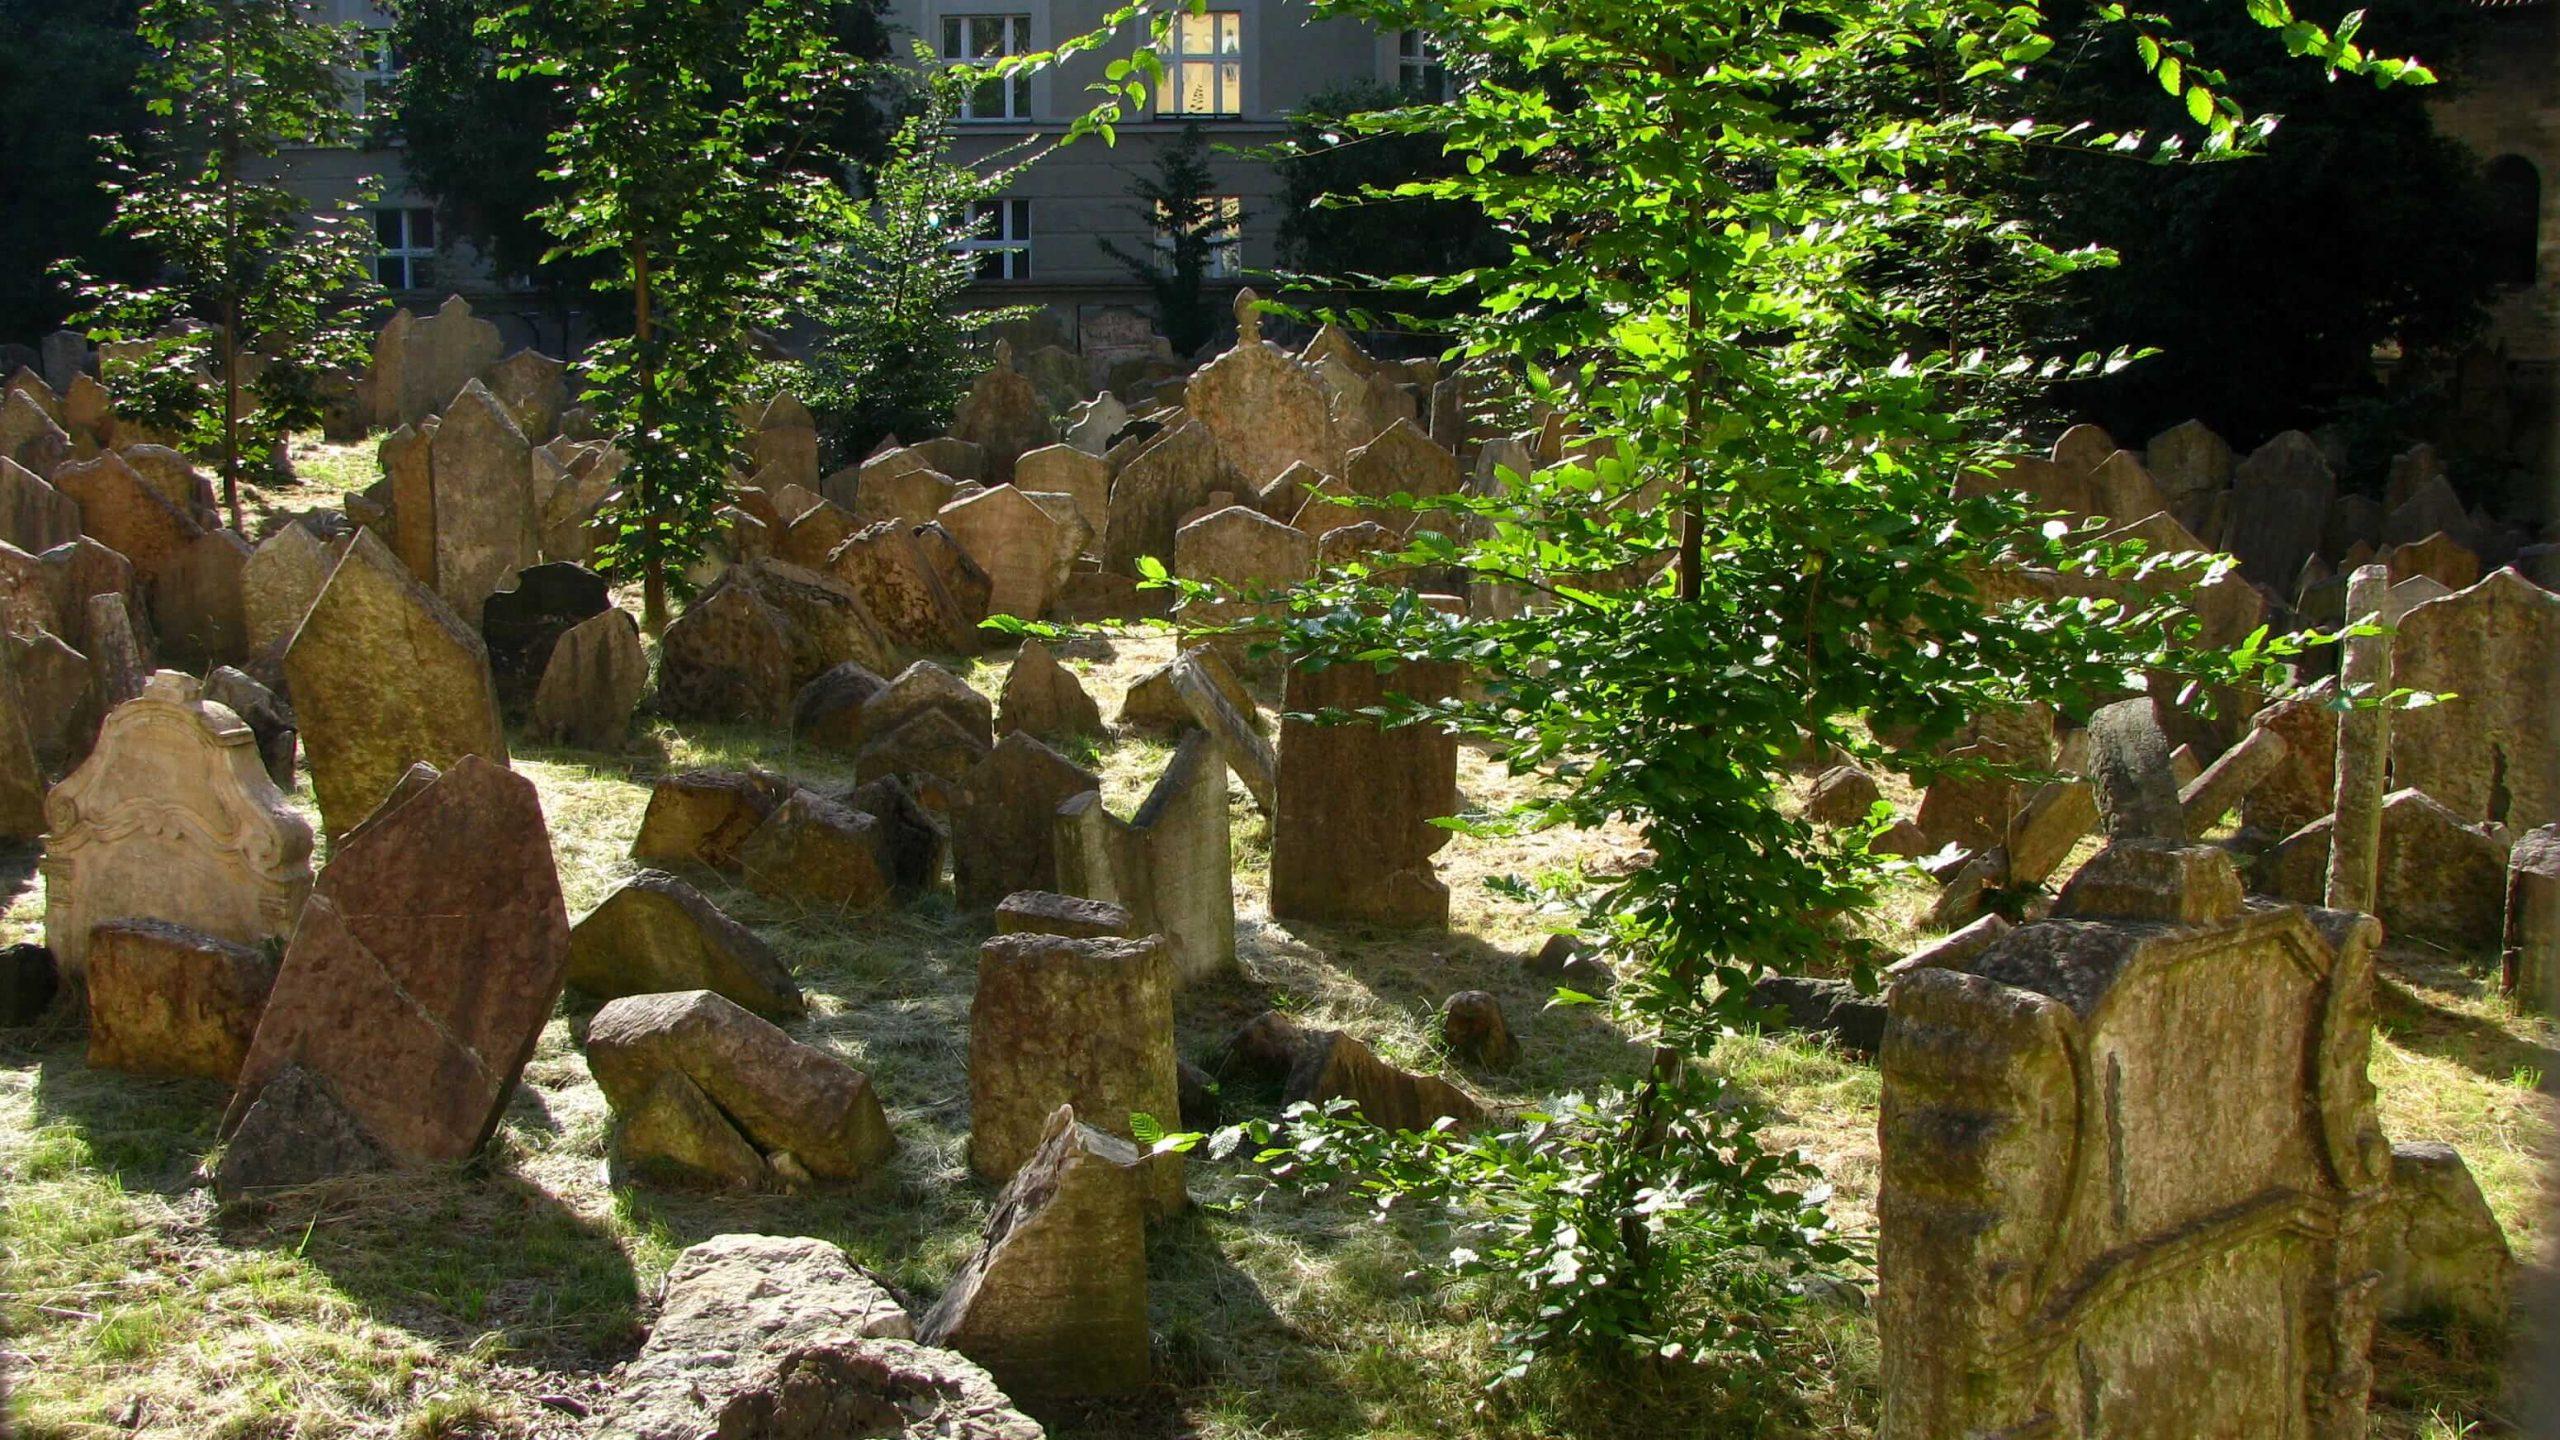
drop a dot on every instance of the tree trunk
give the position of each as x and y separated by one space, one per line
653 560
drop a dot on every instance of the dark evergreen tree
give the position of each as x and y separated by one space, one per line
1180 203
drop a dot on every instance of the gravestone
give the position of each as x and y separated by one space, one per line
781 1095
34 516
591 683
1068 470
1045 698
2492 751
198 603
1015 542
2300 789
1045 912
385 676
1003 834
52 691
172 817
703 817
1091 425
426 963
1173 475
1253 556
1169 864
816 852
30 437
2129 1162
2280 497
534 388
1400 461
408 467
170 1000
656 934
887 565
1351 838
727 657
279 582
2529 968
1054 1302
420 364
126 515
1002 415
1087 1023
271 721
1266 409
486 525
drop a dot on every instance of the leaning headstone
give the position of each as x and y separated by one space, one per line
2530 947
2130 1164
534 388
1045 698
270 720
1266 408
1169 864
816 852
1087 1023
172 817
703 817
1173 475
198 604
824 620
2280 496
126 515
521 625
1002 832
727 657
761 1335
1351 838
591 683
486 526
426 963
22 780
1319 1066
298 1131
783 1097
56 700
34 516
888 566
1054 1302
1220 706
283 576
2438 1245
1091 425
1400 461
2301 788
1068 470
2492 752
657 934
419 364
1002 414
385 676
169 1000
30 437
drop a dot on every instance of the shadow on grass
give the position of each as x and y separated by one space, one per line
2476 1043
150 1134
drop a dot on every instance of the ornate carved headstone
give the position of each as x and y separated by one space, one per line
172 817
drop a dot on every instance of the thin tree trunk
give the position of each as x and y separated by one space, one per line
653 581
231 276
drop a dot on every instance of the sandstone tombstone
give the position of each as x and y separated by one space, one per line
2130 1159
1091 425
780 1095
1015 542
169 1000
1045 698
888 566
30 437
486 525
2492 752
1169 864
1351 838
1003 415
656 934
2279 498
385 676
727 657
420 364
199 603
1257 558
534 388
1045 912
126 515
1087 1023
1173 475
703 817
172 817
1068 470
2438 1245
426 963
1400 461
271 721
591 683
34 516
279 582
408 466
2529 968
1266 409
1002 831
820 853
520 625
1054 1302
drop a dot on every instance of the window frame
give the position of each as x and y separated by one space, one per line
1009 248
960 47
1226 93
1418 63
377 83
410 254
1226 245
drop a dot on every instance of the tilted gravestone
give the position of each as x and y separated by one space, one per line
1169 864
172 817
2129 1163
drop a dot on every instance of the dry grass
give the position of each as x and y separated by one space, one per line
492 1300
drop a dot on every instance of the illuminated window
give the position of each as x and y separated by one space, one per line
1419 72
1205 73
1000 235
1224 222
983 40
404 243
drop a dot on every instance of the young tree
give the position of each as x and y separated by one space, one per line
1782 545
686 162
1181 207
231 83
885 276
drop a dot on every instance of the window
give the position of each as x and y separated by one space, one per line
1224 226
982 40
404 242
1419 72
1205 73
2515 209
380 77
1000 234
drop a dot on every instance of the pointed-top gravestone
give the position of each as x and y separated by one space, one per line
172 817
426 963
486 528
385 676
283 576
2492 752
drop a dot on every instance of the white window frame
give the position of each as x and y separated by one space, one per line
1226 237
376 83
1210 45
1419 63
964 38
1008 245
409 254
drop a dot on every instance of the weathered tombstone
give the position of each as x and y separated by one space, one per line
1168 865
1002 415
2301 789
1091 425
823 619
702 817
520 625
175 479
64 358
1317 1066
279 582
52 691
115 652
126 515
888 566
30 437
385 676
2438 1245
1256 557
1087 1023
1054 1302
1002 830
780 1095
420 364
199 603
2130 1160
1175 474
172 817
1220 706
408 465
727 657
1266 409
1351 838
534 388
2438 557
817 852
34 516
486 526
2193 466
171 1000
657 934
1045 698
1015 542
2280 496
1472 1023
1971 810
2492 752
426 963
773 1337
2529 968
1400 461
1068 470
271 721
591 683
1046 912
